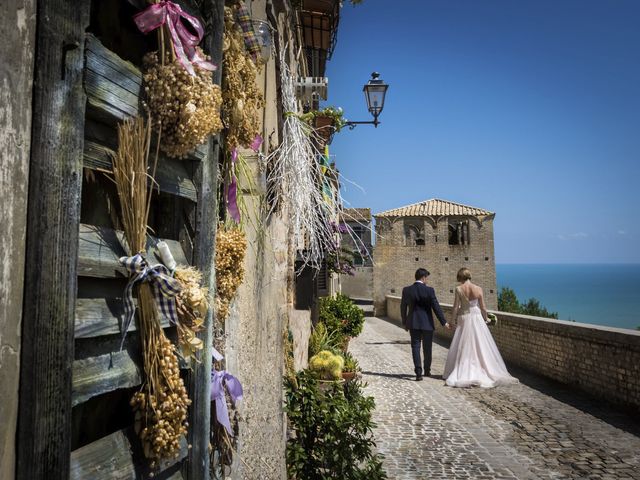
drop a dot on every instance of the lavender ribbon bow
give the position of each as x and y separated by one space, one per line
164 287
184 42
222 380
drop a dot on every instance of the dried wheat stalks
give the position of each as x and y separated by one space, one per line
162 402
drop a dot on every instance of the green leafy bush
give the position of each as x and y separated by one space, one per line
333 432
340 314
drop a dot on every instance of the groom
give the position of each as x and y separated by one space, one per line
418 302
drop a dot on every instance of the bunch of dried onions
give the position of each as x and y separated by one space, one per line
242 99
231 246
187 107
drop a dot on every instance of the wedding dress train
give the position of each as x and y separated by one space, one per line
474 359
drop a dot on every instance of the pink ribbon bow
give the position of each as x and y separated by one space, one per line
184 42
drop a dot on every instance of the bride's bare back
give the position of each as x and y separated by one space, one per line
474 292
471 290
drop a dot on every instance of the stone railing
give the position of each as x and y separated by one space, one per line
602 361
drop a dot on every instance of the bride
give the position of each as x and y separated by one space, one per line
473 359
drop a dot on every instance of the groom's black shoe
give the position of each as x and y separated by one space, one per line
418 378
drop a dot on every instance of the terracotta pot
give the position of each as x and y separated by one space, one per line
324 127
348 376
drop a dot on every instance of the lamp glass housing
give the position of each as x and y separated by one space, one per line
375 91
263 33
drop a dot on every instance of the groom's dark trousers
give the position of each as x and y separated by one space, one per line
418 304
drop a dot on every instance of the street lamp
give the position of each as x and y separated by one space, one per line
374 92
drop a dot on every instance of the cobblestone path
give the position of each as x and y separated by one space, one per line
534 430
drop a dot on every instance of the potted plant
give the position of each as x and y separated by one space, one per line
323 339
325 122
351 367
327 366
340 314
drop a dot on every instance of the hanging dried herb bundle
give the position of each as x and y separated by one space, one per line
242 99
162 402
187 107
224 445
231 246
192 304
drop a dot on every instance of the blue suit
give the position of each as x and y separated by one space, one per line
418 304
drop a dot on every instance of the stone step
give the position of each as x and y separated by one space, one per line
362 301
369 310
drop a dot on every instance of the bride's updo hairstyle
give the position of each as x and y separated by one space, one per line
463 275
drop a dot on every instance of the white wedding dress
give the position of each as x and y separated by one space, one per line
474 359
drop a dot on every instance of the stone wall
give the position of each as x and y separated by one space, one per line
396 260
602 361
17 30
359 285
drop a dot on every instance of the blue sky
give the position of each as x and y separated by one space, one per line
528 108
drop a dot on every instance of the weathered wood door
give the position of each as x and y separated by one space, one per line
75 420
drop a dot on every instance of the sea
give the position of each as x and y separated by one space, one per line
601 294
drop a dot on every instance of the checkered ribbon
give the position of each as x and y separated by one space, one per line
251 42
163 285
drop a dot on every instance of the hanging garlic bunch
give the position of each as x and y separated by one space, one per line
231 246
242 99
192 304
187 107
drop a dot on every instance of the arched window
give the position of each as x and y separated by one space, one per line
459 232
414 235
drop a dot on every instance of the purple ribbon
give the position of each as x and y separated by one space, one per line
221 380
184 42
232 187
255 145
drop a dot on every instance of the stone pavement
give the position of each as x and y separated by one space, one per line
534 430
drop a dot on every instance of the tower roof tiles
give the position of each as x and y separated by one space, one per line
434 208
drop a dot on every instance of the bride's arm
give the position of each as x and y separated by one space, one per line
483 307
456 309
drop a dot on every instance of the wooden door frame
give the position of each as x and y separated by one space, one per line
53 216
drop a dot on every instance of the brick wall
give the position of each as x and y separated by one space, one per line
602 361
396 262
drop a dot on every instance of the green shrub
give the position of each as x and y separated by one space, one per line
333 432
340 314
508 302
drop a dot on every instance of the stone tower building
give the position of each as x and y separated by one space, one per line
440 236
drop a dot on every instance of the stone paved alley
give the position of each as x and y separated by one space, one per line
534 430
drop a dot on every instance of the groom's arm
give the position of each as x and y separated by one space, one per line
404 306
436 308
